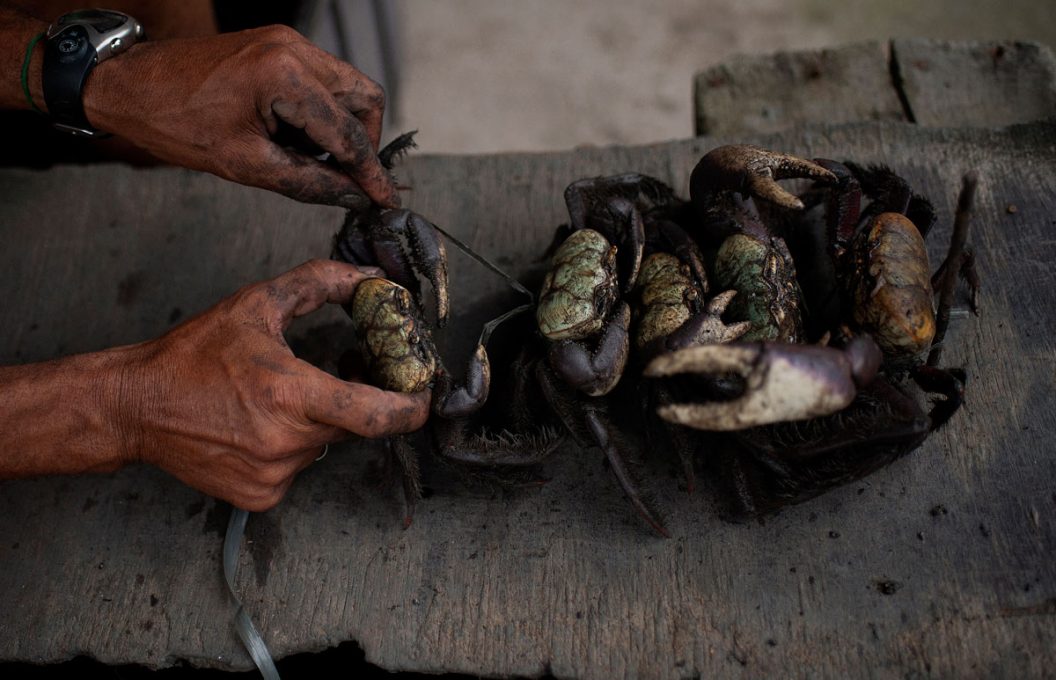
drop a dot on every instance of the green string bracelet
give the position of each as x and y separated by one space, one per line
25 71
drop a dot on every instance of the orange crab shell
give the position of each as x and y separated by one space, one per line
892 286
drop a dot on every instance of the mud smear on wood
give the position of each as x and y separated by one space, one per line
263 537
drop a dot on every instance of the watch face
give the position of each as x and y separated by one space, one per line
101 20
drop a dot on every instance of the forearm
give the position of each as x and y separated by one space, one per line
220 401
66 416
104 85
16 31
214 103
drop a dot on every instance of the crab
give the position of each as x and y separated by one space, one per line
583 317
882 262
805 417
624 262
394 344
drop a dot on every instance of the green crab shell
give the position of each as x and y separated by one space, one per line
768 294
397 350
666 294
580 288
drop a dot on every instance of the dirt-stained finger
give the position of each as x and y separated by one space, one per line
310 106
264 164
309 286
350 87
363 409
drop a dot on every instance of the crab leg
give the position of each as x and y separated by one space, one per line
586 421
958 260
844 207
401 451
601 433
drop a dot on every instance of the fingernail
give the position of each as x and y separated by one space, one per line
377 272
357 202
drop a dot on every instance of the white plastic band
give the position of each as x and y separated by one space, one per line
251 639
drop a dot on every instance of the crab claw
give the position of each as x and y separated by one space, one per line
595 370
377 238
752 171
708 327
460 400
782 382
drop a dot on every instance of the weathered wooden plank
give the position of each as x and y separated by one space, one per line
941 564
761 94
976 83
930 82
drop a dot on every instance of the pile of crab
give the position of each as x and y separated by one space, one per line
788 341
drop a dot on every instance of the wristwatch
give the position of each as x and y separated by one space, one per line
75 43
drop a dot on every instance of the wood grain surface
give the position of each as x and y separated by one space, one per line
929 82
943 564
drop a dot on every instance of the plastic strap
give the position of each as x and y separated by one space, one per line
248 633
68 59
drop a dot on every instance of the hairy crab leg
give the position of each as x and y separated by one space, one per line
406 459
844 207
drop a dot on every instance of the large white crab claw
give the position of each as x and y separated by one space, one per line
782 382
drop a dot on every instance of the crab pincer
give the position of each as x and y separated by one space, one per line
781 382
401 242
753 171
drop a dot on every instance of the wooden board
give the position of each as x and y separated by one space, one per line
930 82
942 564
976 83
768 93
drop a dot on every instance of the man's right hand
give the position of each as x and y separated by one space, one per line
213 103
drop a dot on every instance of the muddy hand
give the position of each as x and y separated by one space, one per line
222 403
214 103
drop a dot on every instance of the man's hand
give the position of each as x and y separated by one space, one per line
220 401
213 104
232 412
